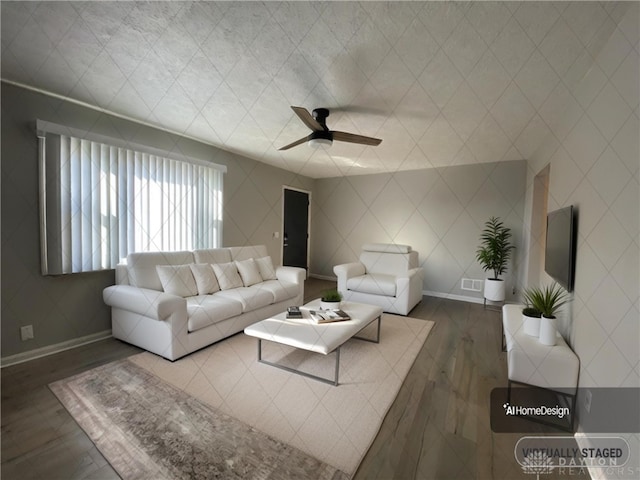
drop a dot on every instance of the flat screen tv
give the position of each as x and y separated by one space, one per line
560 249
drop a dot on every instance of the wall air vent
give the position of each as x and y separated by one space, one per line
471 285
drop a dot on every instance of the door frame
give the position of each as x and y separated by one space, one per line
308 192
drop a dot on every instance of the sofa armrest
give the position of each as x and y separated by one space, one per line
291 274
144 301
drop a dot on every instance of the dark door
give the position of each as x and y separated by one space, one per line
296 228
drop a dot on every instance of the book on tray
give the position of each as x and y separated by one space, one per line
294 312
327 316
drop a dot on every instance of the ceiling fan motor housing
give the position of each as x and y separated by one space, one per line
321 114
323 134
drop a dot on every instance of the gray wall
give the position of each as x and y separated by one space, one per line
594 159
439 212
68 307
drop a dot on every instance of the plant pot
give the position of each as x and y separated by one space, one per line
329 305
531 325
494 290
548 331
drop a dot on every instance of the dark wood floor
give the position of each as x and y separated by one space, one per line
437 428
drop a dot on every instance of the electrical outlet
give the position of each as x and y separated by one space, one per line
587 401
26 332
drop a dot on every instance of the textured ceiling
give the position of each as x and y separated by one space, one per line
440 83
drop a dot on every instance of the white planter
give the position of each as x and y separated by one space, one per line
548 331
329 305
531 325
494 290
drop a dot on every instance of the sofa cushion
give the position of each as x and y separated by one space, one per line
280 290
212 255
251 298
227 275
205 278
205 310
248 272
142 267
177 280
265 265
376 283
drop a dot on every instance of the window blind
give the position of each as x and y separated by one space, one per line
103 201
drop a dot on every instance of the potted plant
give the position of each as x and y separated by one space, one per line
330 299
548 301
493 255
530 316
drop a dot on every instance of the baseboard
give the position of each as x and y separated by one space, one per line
323 277
595 472
51 349
451 296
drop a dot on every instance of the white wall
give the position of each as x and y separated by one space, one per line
68 307
440 212
595 162
594 157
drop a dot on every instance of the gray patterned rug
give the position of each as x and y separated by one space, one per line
148 429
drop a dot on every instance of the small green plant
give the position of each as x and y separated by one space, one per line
331 295
547 300
531 312
495 249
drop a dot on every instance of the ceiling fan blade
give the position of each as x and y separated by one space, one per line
294 144
353 138
307 118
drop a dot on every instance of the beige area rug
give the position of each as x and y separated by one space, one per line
220 413
333 424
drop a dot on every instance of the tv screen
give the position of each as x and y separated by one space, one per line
559 255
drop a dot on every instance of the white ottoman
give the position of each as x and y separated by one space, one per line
323 338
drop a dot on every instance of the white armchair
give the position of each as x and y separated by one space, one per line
387 275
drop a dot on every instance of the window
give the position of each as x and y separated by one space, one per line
101 201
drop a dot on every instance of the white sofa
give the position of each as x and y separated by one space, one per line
387 275
174 303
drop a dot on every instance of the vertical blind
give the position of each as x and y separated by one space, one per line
109 201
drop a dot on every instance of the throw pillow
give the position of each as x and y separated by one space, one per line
265 265
177 280
227 274
249 272
205 278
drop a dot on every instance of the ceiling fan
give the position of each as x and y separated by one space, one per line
321 136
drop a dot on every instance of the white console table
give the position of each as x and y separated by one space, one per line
532 363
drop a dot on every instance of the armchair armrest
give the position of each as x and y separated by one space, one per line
409 288
349 270
346 271
144 301
413 275
291 274
415 271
